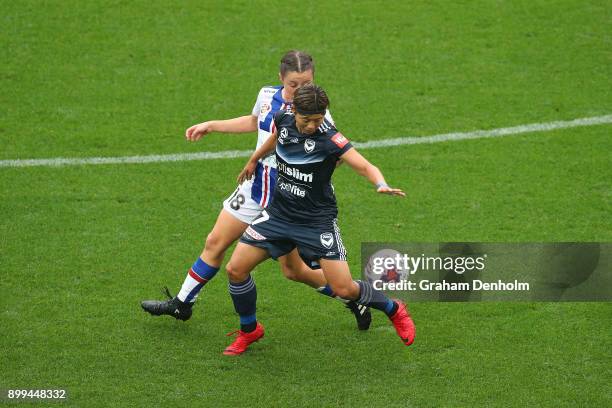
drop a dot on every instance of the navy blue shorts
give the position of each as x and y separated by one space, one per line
278 237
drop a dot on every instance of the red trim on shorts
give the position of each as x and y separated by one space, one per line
266 182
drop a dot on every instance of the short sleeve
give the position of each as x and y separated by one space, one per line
340 144
337 143
257 107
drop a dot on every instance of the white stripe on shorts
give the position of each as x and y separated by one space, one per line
341 247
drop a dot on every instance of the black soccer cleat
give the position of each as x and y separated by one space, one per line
362 314
171 307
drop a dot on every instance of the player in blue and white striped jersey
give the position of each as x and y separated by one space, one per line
250 198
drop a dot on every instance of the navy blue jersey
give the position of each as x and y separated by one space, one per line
305 164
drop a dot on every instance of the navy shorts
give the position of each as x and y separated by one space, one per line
278 237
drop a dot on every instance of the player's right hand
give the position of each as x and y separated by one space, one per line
195 133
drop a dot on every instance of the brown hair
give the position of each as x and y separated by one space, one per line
296 61
310 99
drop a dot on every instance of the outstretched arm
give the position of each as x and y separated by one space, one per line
241 124
366 169
264 150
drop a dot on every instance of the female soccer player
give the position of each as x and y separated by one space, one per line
248 200
303 215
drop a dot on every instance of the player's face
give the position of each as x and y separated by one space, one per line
307 124
293 80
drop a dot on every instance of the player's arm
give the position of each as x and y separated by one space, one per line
241 124
366 169
264 150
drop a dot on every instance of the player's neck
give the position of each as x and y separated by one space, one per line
283 95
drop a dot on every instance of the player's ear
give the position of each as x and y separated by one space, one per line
280 77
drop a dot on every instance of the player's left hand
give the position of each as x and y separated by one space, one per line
391 191
247 172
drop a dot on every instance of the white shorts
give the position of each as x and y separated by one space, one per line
241 205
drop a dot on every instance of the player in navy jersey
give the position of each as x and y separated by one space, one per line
303 215
246 203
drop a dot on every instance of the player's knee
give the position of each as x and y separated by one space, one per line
234 274
291 273
214 244
345 291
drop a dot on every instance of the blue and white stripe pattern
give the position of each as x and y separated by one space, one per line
263 184
365 295
341 248
242 287
373 298
244 296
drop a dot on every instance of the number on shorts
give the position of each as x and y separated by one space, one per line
237 202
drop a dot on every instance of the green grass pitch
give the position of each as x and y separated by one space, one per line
80 246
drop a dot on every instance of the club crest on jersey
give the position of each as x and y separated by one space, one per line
265 108
309 145
327 240
283 133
